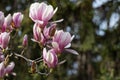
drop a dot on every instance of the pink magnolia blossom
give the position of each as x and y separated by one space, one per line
10 67
1 19
41 12
61 41
7 23
17 19
50 31
2 69
50 58
4 40
6 69
25 40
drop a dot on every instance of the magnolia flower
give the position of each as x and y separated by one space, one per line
1 19
10 67
2 69
50 58
41 12
17 19
6 69
25 40
7 23
4 40
61 41
50 31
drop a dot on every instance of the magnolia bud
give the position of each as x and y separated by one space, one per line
50 58
10 67
7 23
52 30
1 19
25 40
17 19
2 69
4 40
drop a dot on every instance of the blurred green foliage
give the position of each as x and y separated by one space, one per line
99 57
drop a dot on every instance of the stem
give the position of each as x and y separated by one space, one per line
39 60
18 55
29 60
22 51
43 73
15 34
36 61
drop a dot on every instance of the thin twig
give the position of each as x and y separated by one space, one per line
43 73
29 60
22 51
15 34
39 60
18 55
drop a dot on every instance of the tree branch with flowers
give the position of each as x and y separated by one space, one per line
52 42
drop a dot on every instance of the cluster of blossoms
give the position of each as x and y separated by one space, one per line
7 25
51 40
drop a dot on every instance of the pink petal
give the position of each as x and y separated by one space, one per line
10 67
44 53
2 69
72 51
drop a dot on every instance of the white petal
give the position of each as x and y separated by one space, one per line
44 53
72 37
72 51
55 10
69 45
55 45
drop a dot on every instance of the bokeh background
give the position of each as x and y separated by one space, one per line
96 26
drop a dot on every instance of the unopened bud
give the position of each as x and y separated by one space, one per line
1 19
33 67
7 23
25 40
50 58
17 19
2 69
52 30
10 67
4 40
